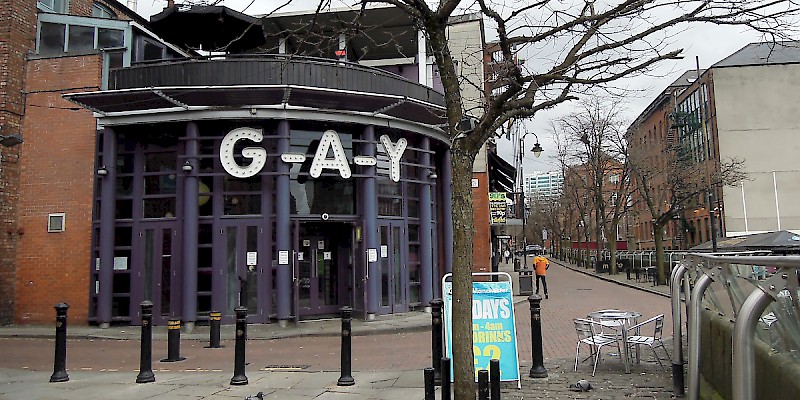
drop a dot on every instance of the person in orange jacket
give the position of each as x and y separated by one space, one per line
541 264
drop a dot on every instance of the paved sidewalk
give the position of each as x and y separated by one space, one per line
648 381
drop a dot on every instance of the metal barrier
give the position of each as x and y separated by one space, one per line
677 338
750 284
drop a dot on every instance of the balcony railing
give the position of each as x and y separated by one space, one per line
270 69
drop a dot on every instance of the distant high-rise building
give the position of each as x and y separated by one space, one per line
542 184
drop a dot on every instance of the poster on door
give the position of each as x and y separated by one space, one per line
493 330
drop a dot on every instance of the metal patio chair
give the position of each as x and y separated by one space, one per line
635 339
587 335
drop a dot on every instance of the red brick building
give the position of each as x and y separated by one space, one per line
46 182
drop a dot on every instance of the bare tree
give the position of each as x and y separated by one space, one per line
596 156
572 46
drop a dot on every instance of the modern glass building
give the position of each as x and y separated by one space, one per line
543 184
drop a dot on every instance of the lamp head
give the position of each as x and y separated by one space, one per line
537 150
102 171
187 166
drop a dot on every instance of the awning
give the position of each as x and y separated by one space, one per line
502 175
126 101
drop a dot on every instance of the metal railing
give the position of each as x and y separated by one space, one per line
751 289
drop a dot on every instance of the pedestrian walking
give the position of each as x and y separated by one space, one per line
541 264
508 256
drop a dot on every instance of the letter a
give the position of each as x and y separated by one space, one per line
330 140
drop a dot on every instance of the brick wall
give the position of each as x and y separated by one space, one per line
17 33
57 170
481 250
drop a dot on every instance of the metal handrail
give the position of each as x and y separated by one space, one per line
710 269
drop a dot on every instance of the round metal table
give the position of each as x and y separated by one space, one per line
618 320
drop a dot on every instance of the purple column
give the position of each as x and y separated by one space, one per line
425 239
190 213
370 201
283 229
446 204
108 211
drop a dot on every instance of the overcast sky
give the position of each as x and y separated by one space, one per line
710 42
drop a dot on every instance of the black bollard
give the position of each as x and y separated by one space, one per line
146 353
445 378
60 363
430 388
483 385
239 377
214 319
173 341
436 339
346 379
537 369
494 378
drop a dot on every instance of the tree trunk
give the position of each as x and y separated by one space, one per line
463 236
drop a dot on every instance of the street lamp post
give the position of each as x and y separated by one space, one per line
537 151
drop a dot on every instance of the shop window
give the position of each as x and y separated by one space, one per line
159 207
242 204
102 11
159 162
123 236
251 184
159 184
206 189
124 186
124 209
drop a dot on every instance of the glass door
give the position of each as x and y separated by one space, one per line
240 271
394 274
160 281
324 268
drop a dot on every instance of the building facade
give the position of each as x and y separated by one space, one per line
741 109
58 46
652 137
244 176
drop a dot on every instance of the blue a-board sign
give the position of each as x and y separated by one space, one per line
494 333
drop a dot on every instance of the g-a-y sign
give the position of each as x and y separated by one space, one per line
329 141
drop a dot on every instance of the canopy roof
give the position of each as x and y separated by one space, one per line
780 241
211 28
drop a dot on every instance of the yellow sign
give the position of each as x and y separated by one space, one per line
497 207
